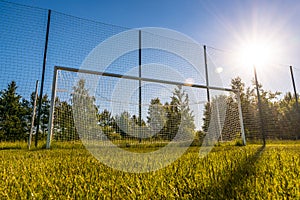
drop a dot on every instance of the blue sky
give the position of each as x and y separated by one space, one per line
208 22
221 24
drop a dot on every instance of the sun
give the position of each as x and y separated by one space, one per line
255 53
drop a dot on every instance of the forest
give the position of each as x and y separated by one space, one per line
281 119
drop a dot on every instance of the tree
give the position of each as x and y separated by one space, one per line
220 118
107 124
270 114
180 118
156 118
12 114
289 117
249 108
124 124
252 119
206 117
45 109
226 125
64 125
84 110
105 118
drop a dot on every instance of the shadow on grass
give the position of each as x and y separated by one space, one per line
227 187
10 148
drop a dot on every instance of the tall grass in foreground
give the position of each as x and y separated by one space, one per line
250 172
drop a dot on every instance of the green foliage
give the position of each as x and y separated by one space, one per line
289 117
45 108
163 121
124 123
84 110
13 123
16 114
225 173
221 114
64 127
105 118
206 117
156 118
280 118
180 118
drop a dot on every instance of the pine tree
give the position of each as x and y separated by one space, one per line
105 118
12 120
84 110
156 118
180 117
249 108
124 124
289 120
206 117
64 125
107 123
45 110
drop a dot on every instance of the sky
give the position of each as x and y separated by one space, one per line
224 25
204 20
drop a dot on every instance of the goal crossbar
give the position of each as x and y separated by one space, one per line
85 71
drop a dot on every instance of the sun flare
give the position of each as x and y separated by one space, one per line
258 54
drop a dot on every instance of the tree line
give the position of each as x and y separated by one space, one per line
163 121
280 117
281 120
16 114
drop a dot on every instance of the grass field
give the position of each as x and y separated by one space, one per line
227 172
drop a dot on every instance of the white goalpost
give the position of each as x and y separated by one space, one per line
85 105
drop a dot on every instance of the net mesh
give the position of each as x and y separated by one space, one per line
109 110
71 39
21 51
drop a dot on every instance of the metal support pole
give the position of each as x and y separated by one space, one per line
51 112
260 109
295 90
296 98
43 78
140 76
206 74
33 114
140 82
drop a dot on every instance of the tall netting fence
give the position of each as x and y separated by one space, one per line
279 118
22 39
72 41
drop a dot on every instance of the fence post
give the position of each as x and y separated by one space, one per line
43 79
206 74
140 76
294 87
33 113
140 82
296 97
262 124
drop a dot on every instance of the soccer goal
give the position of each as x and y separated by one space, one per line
131 111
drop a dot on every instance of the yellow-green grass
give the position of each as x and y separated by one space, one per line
69 171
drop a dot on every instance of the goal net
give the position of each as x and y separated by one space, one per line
128 111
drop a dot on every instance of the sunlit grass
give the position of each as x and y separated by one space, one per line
227 172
